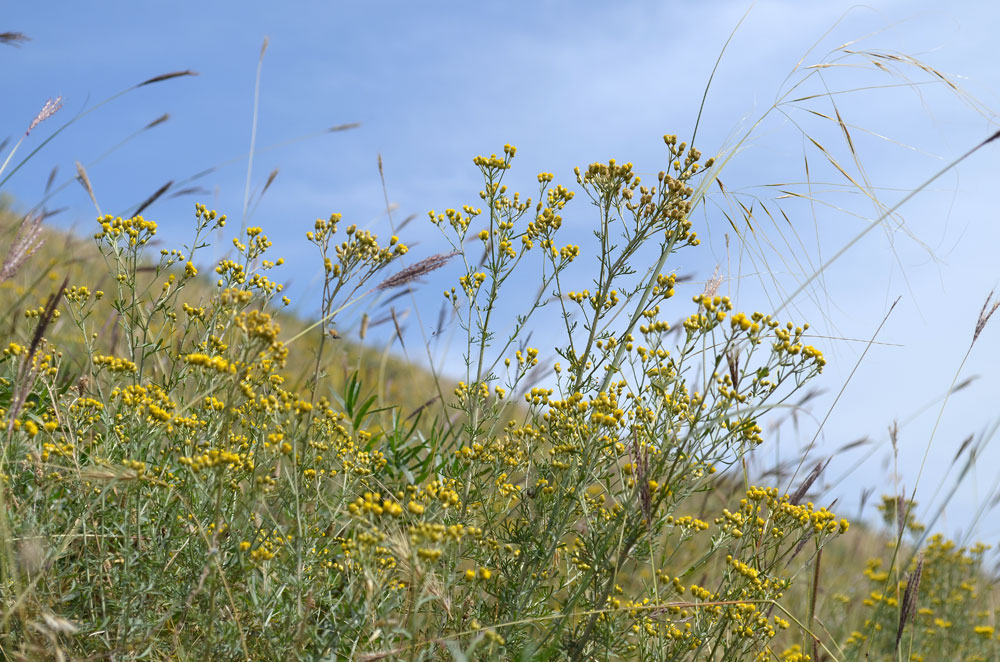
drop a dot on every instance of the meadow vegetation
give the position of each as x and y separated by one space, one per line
190 472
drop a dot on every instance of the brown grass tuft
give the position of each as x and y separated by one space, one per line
27 373
985 315
84 179
415 271
344 127
158 121
153 198
803 489
163 77
26 242
14 39
909 599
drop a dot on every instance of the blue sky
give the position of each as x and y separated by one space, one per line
434 84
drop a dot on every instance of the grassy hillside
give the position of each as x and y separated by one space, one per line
61 255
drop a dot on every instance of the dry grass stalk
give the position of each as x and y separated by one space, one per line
415 271
81 175
406 221
158 121
153 198
712 286
365 319
640 463
14 39
52 178
27 373
270 180
733 360
419 409
163 77
909 600
442 313
190 190
812 601
806 484
50 108
961 448
344 127
399 330
984 315
26 242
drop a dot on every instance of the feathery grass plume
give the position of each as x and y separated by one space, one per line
909 600
14 39
398 295
78 117
168 76
399 330
50 108
48 213
812 601
343 127
270 180
153 198
807 483
45 319
853 444
894 437
365 319
961 448
26 373
189 190
406 221
84 179
733 361
442 315
985 315
26 242
52 178
157 122
415 271
640 464
712 284
428 403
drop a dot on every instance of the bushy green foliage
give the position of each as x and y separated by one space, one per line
178 497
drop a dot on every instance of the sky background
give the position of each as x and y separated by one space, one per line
434 84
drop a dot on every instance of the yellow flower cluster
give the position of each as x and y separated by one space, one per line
137 229
216 363
114 363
